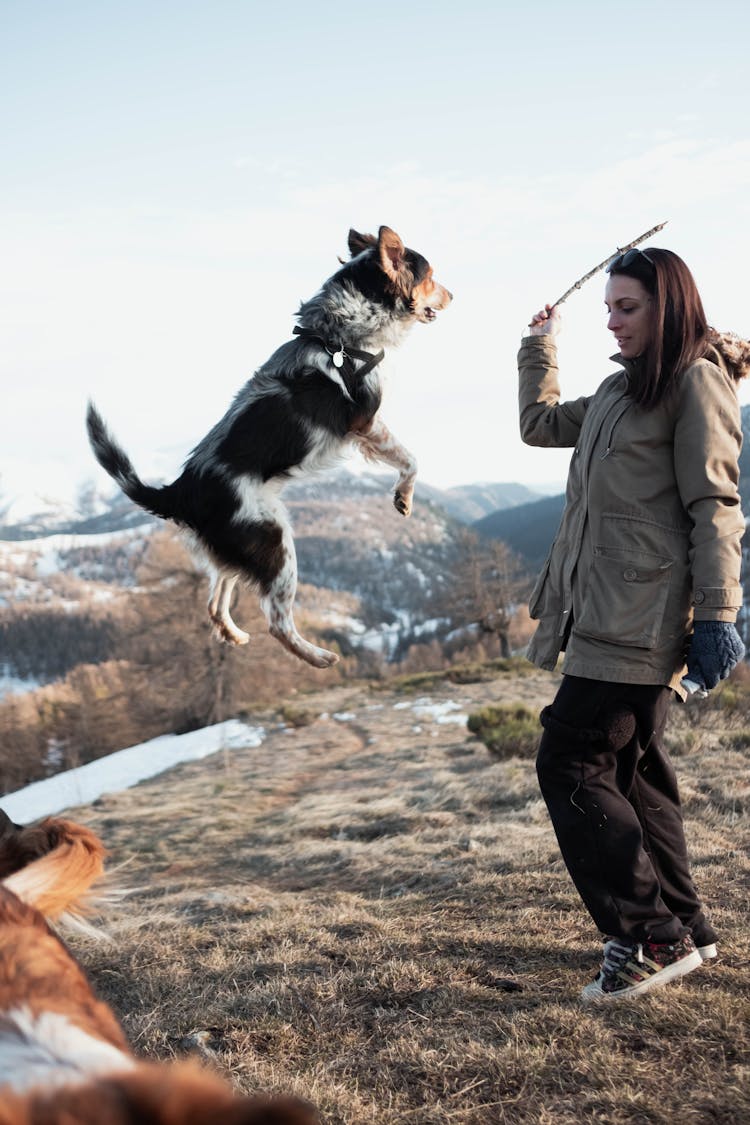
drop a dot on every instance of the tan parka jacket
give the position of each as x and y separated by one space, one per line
650 535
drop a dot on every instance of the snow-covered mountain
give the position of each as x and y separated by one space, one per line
64 573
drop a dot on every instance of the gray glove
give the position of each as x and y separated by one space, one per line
716 647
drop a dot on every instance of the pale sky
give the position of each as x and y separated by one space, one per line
178 176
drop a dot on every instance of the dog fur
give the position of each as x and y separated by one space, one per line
315 395
64 1059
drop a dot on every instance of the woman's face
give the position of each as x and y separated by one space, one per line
629 306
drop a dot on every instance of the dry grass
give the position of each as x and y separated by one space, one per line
369 910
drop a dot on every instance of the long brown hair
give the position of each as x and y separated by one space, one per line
679 330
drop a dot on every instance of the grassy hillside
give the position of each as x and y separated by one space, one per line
370 910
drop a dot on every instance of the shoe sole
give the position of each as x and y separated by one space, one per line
592 993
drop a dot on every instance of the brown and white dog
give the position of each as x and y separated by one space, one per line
316 395
63 1057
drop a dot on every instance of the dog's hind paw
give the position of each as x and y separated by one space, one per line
298 646
230 636
318 657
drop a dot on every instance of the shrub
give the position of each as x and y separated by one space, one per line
738 741
507 729
733 695
293 716
474 672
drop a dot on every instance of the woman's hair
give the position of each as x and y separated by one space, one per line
680 333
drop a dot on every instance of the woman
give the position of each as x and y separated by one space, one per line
643 577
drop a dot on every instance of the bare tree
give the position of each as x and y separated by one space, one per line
191 679
188 675
484 588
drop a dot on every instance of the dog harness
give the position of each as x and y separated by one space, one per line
343 358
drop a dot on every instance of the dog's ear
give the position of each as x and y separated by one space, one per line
391 253
359 242
7 827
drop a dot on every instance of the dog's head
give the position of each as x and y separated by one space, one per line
383 267
20 845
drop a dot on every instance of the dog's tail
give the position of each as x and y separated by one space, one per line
114 460
51 866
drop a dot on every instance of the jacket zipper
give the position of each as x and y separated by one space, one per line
623 407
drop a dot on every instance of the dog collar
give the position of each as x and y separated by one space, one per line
339 356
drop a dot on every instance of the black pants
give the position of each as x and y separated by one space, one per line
612 795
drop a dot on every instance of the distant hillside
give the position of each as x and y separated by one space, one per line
465 503
371 578
116 514
528 529
470 502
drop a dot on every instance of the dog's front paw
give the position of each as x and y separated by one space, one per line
402 502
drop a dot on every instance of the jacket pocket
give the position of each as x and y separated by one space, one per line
625 598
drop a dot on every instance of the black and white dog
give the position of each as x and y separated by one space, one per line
314 395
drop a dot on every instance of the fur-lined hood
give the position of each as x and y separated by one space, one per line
733 350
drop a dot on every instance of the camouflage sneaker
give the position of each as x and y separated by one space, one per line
629 969
707 949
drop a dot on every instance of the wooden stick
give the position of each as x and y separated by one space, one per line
611 258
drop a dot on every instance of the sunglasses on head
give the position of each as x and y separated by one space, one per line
629 258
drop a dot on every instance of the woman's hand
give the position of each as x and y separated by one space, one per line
715 648
547 322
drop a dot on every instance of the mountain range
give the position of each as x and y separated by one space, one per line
529 527
388 573
466 503
371 579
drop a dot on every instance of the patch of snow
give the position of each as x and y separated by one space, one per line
430 626
14 685
18 590
383 639
448 711
345 621
46 547
125 768
420 575
344 716
460 718
102 595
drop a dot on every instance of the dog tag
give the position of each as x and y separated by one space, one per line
338 358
